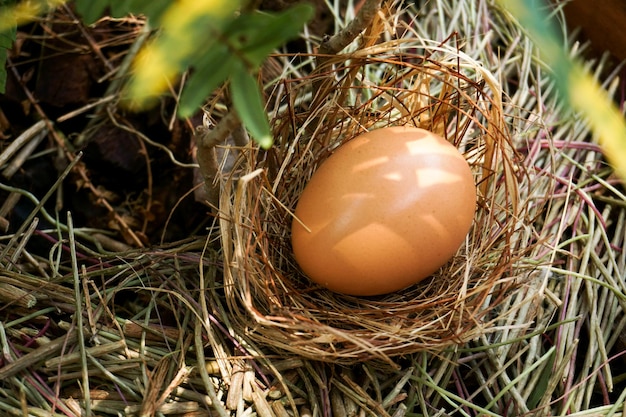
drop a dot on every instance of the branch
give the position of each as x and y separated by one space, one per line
228 130
208 138
334 44
362 20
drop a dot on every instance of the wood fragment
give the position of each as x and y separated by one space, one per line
95 351
152 332
235 390
38 355
279 409
261 405
10 294
21 140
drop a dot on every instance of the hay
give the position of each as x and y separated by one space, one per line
527 319
436 87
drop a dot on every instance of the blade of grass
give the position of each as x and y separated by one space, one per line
580 91
78 316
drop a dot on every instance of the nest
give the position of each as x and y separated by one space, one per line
427 85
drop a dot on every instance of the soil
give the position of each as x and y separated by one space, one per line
129 187
59 67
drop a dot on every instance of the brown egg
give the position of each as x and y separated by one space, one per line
385 211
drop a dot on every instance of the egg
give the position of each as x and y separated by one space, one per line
386 210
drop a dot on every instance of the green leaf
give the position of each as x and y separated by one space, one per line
189 29
542 383
279 28
249 106
90 10
153 10
576 86
6 41
255 35
211 70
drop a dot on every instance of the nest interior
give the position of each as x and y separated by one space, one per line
428 85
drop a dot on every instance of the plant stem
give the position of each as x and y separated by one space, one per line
362 20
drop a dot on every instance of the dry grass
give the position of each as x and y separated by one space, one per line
528 318
422 86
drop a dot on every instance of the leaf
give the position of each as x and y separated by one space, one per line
90 10
210 71
279 28
255 35
542 383
6 41
153 10
576 87
189 28
249 106
16 14
207 36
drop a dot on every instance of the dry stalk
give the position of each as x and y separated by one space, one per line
336 43
229 131
539 291
448 101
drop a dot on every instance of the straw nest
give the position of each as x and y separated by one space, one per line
410 81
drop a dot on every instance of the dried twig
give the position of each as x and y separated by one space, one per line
336 43
38 355
228 129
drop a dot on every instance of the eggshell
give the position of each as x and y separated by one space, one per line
385 211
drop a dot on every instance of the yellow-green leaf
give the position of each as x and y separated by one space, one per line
576 87
249 106
187 27
214 67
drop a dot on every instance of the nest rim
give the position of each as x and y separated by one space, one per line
275 305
